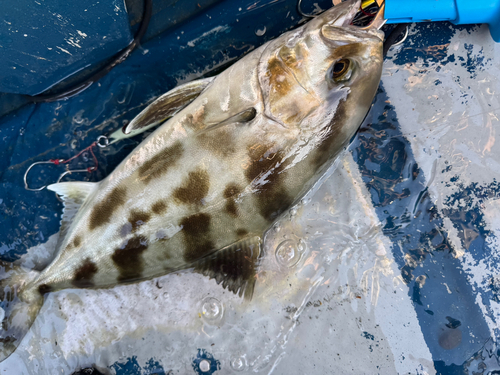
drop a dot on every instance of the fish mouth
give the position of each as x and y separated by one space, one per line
344 13
345 19
366 15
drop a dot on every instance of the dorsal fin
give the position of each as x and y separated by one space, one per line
234 266
162 108
73 194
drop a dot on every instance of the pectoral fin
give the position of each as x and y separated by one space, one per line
234 266
245 116
162 108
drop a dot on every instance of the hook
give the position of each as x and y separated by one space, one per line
74 171
302 13
31 166
102 141
57 162
404 38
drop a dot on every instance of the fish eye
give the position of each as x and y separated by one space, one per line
341 70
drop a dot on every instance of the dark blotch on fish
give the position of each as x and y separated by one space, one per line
159 207
84 275
231 191
160 163
138 218
241 232
194 188
102 211
44 288
260 161
129 260
273 198
77 241
274 202
275 70
196 229
219 142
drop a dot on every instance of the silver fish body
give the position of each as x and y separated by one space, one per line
203 188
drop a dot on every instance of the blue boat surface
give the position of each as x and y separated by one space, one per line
390 266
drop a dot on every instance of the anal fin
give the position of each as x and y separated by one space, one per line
234 266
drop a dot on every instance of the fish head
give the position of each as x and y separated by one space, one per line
325 70
352 60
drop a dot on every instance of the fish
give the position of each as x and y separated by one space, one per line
232 153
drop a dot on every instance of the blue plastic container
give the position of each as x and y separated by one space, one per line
459 12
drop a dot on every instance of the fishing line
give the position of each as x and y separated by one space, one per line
119 58
102 141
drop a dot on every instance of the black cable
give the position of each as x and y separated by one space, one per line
393 36
120 57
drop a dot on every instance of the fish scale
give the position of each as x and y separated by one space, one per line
232 154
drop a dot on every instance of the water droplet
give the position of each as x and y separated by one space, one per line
168 349
301 246
54 356
260 31
288 253
239 363
212 310
204 365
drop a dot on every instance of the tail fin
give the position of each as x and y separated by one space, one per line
18 307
